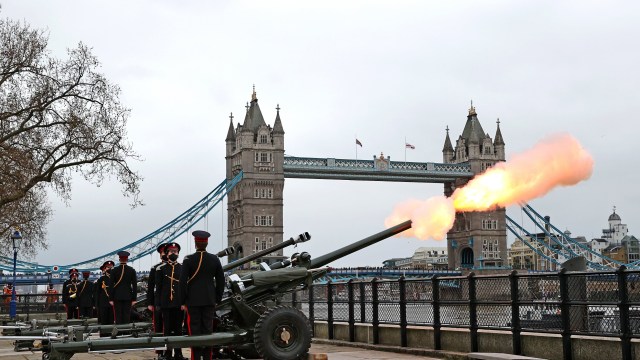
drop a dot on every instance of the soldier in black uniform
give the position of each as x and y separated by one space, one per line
151 288
202 286
102 289
151 299
85 296
168 296
70 294
124 290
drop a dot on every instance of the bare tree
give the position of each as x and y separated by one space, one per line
57 117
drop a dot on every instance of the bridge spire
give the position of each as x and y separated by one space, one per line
447 150
247 125
472 110
277 125
498 140
231 134
254 97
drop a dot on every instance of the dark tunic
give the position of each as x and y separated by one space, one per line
168 286
101 296
207 286
124 282
69 288
85 298
124 291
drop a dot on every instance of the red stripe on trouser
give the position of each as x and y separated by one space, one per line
189 328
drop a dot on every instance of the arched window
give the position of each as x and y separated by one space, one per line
466 258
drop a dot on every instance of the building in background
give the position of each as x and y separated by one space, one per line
537 251
428 258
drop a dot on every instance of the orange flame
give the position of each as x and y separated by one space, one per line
557 161
431 218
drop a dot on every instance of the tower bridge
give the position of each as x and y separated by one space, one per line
255 206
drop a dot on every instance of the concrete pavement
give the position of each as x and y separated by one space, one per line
333 353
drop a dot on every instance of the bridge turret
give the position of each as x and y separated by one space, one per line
255 206
477 239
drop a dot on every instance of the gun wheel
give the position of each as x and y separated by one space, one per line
282 333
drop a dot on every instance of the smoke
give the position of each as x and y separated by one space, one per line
557 161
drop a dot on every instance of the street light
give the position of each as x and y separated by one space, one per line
16 238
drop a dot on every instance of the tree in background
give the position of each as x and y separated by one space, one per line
57 117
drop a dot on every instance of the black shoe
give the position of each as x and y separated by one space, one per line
177 355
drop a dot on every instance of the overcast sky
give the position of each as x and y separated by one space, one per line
381 70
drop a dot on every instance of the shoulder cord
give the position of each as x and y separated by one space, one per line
83 286
198 269
121 275
104 287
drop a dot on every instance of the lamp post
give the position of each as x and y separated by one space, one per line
16 238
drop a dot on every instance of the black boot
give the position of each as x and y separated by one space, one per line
177 354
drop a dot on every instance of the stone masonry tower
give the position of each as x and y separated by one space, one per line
477 239
255 207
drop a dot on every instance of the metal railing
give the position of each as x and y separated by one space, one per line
28 304
604 304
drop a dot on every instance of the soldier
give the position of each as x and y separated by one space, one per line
85 296
151 300
52 297
202 286
168 296
70 293
125 289
151 287
102 288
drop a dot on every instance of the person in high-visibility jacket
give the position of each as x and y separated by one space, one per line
6 293
52 297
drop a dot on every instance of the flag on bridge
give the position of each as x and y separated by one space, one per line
409 146
358 142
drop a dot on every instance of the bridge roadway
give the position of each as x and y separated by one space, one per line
333 352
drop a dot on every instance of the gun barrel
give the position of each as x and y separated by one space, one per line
226 252
300 238
342 252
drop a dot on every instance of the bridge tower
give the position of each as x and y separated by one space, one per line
254 210
477 239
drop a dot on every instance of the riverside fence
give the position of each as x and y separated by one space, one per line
603 304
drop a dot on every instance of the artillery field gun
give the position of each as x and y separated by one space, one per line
249 325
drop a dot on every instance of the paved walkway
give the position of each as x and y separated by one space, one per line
333 353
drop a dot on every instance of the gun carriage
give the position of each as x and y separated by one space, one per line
249 323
